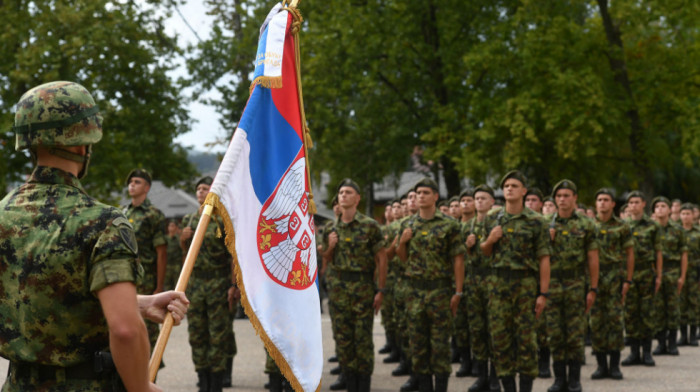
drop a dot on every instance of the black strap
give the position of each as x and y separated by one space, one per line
26 128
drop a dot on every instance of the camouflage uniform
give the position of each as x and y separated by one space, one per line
513 287
476 301
59 247
352 291
149 226
172 273
574 237
607 315
389 302
690 295
667 302
639 309
429 274
209 318
400 293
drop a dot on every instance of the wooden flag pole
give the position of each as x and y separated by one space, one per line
187 267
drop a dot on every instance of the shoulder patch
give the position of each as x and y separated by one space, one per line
126 232
121 221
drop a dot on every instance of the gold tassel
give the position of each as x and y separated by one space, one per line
267 82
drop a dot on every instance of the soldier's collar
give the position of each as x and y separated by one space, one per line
52 175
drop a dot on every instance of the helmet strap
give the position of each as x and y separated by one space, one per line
71 156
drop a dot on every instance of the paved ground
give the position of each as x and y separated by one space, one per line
676 374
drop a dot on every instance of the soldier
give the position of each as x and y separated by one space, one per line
690 296
71 260
607 316
639 309
430 244
574 247
518 244
149 226
444 208
477 294
388 214
675 267
213 293
534 199
466 201
461 344
352 248
175 255
455 208
404 204
389 304
676 211
548 206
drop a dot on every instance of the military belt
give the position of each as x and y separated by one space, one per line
432 284
512 274
565 274
355 276
88 370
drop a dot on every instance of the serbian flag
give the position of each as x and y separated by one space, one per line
262 192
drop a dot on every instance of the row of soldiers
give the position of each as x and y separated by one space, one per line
486 275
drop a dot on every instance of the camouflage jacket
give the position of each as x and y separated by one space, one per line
647 236
475 258
358 242
213 254
432 248
58 248
673 243
149 226
614 237
692 237
525 239
174 250
574 237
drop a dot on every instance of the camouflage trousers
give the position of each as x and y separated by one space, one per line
353 319
209 323
639 305
429 328
73 385
148 285
512 325
607 314
566 320
172 274
667 301
401 316
541 328
460 326
476 301
690 298
388 307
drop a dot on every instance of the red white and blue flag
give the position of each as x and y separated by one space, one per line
262 192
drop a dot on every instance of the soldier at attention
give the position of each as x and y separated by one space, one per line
518 244
352 248
82 254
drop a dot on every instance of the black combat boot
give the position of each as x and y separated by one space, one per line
543 363
339 384
351 380
634 358
614 370
465 363
647 359
602 370
411 385
693 338
661 348
575 376
672 348
333 359
403 369
394 356
482 380
475 367
425 383
525 383
228 375
336 370
508 384
494 385
275 382
216 382
559 377
364 382
388 345
454 351
683 339
203 380
441 382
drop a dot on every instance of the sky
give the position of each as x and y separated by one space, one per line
206 127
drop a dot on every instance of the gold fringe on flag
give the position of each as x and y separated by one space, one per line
267 82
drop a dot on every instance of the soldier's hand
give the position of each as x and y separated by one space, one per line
155 307
495 234
471 240
625 289
681 282
332 240
657 285
590 299
186 234
540 304
406 236
454 304
378 298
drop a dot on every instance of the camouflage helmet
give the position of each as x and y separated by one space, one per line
57 114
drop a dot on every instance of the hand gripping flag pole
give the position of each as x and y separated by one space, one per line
187 267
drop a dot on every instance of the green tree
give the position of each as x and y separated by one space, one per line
118 51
